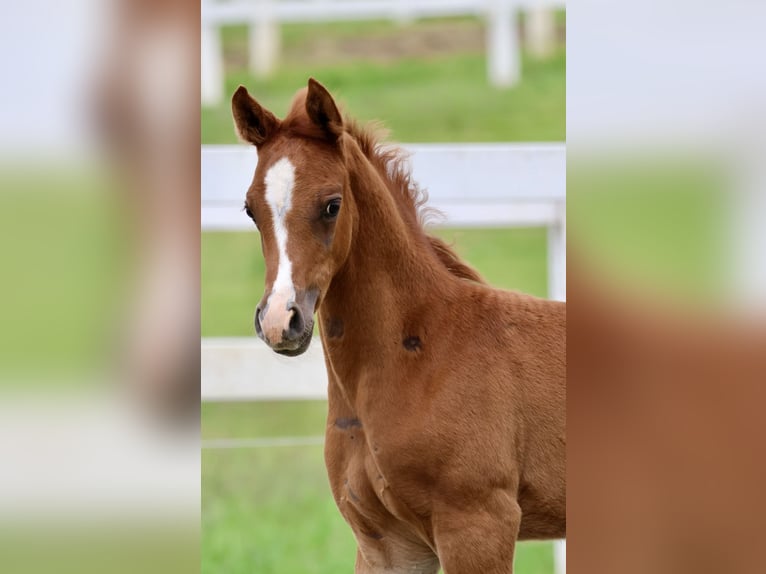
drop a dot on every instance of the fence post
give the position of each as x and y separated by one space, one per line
540 32
503 54
264 39
402 13
211 66
557 257
560 557
747 274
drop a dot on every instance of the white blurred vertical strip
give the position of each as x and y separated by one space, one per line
540 32
47 55
748 228
403 13
211 72
503 52
557 256
560 557
264 39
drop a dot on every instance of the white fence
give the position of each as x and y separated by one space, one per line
476 185
264 16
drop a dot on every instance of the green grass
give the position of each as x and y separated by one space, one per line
270 510
263 419
64 261
657 224
421 101
437 96
233 270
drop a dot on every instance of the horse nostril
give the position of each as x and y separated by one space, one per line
258 328
296 325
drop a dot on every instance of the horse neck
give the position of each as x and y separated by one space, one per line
391 281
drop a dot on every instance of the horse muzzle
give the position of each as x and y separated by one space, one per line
285 324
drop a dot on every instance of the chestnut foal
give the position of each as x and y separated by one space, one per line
445 438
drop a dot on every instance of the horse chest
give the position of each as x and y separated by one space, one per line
357 482
362 490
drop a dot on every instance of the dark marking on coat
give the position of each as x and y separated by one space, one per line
412 343
334 328
351 494
373 535
348 423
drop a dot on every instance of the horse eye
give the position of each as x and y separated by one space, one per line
250 215
331 209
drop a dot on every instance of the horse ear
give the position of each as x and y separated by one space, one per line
254 123
322 110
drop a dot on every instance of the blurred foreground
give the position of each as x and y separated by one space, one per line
667 362
99 360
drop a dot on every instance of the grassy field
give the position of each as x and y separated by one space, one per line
655 225
420 95
443 100
61 239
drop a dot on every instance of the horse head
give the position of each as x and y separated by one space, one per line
300 202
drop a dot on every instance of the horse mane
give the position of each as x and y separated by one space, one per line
391 162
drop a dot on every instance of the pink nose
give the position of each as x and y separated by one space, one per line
280 327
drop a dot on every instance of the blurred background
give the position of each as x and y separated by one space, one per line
99 316
437 71
666 286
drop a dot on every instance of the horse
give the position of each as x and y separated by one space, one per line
445 439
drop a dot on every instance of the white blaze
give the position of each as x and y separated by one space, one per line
280 180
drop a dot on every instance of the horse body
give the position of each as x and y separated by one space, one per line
445 438
410 432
